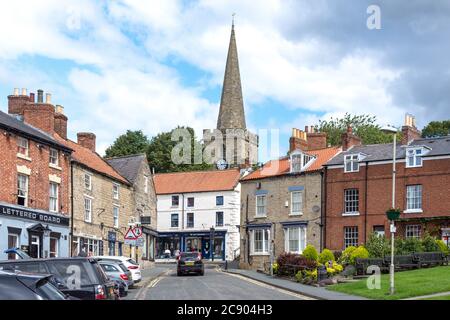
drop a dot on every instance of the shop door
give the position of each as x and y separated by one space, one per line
206 252
35 245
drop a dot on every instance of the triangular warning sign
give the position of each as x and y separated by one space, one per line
130 235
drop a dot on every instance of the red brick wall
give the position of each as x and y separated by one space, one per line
317 140
41 116
38 185
434 177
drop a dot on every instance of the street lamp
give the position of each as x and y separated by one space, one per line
390 129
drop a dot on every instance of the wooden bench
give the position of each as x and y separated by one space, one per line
431 259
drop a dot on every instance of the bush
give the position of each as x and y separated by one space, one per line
336 268
310 253
377 246
337 255
275 268
345 256
325 256
408 246
429 244
286 258
358 253
442 246
306 276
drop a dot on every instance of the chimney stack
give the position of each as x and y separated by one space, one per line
40 96
316 140
17 103
87 140
60 122
298 140
409 130
349 139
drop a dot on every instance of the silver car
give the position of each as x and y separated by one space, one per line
117 272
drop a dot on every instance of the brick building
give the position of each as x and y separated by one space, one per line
359 189
35 171
281 202
136 170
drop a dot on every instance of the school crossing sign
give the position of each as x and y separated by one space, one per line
133 237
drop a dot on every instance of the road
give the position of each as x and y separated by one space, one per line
214 285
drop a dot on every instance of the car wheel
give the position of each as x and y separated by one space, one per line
202 273
179 274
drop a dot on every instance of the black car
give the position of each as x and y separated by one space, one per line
15 285
78 277
190 262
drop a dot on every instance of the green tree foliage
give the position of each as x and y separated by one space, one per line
132 142
436 128
325 256
310 253
364 126
377 246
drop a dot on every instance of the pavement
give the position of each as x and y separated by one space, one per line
320 293
162 283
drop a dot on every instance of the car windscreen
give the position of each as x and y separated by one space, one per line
123 267
73 272
189 256
132 262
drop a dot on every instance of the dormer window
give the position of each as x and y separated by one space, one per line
414 157
300 161
351 163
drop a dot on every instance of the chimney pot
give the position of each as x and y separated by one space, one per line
24 91
32 99
40 93
48 98
16 91
306 129
59 109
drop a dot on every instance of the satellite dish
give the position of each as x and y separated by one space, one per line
316 209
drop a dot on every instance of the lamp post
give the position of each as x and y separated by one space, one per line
390 129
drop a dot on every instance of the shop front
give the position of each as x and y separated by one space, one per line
148 248
170 243
39 233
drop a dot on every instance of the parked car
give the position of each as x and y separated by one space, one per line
82 278
16 285
117 272
18 252
190 262
131 265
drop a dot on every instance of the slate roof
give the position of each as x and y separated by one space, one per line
128 166
381 152
10 123
282 166
196 181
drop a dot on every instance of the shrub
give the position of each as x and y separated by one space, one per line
358 253
345 256
286 258
442 246
337 255
429 244
325 256
377 246
408 246
275 268
310 253
336 268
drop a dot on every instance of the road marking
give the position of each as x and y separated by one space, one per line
267 286
142 294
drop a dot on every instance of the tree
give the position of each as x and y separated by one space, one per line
364 126
132 142
436 129
160 148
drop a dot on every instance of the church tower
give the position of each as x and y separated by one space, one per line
240 146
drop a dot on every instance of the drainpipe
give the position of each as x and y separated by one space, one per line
182 224
365 201
71 209
323 212
247 232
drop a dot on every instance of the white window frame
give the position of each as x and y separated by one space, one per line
299 161
414 196
351 231
171 201
187 202
265 242
414 154
87 211
87 186
116 215
24 190
24 144
353 161
300 231
300 212
56 247
17 242
347 200
145 184
53 159
413 231
223 219
116 191
264 214
178 220
187 220
53 197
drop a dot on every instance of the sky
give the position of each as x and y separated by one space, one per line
153 65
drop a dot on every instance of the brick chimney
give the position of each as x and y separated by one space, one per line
60 122
349 139
409 130
17 102
87 140
40 115
316 140
298 140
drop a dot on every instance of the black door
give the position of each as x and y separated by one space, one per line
35 244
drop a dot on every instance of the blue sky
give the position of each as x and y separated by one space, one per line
153 65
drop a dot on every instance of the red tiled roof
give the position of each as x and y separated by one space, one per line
91 159
196 181
282 166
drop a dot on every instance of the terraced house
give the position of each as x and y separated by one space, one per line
359 189
35 179
281 202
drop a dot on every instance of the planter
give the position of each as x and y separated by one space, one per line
393 214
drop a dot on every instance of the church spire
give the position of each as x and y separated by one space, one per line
231 112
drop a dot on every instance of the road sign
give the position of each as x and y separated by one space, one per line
130 242
130 235
140 242
137 231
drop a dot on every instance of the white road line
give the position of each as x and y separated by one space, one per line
264 285
142 294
